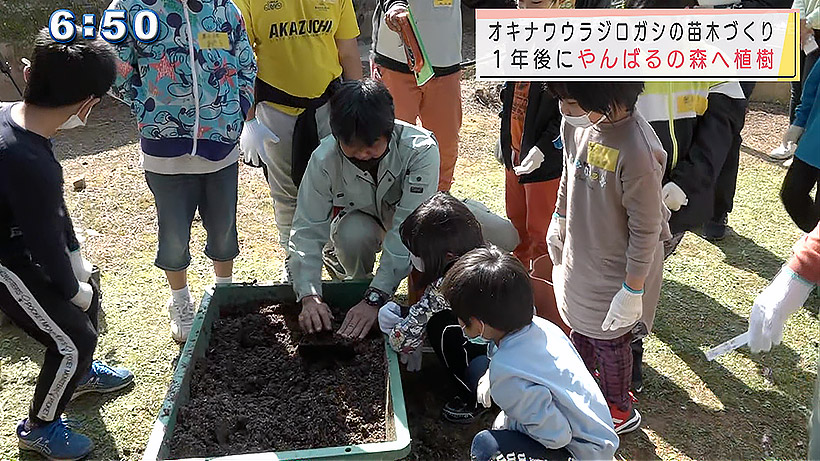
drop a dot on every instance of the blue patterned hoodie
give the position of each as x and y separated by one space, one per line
205 53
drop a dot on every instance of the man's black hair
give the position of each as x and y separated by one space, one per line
492 286
361 112
441 225
601 97
63 74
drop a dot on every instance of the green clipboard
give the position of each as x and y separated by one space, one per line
426 73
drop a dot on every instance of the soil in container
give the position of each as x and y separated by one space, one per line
264 386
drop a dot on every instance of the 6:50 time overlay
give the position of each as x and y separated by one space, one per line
114 26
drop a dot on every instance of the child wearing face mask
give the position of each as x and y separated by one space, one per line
606 236
46 286
551 407
437 233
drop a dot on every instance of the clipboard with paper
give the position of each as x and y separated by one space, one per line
417 59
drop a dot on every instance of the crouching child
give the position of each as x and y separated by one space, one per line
551 406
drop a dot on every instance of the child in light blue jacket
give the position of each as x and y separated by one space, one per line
551 406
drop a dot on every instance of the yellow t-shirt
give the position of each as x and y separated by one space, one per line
295 42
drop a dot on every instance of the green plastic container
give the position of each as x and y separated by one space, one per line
342 294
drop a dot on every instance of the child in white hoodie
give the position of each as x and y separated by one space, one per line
551 406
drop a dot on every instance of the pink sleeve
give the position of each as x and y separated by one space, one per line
806 259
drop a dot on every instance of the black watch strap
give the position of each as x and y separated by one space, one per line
375 297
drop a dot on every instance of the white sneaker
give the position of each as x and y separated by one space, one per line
781 153
182 317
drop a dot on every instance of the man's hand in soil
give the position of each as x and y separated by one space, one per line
315 315
358 321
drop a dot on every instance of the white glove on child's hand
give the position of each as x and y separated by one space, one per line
674 197
497 152
531 162
82 268
389 316
773 306
555 238
501 422
626 309
412 360
483 391
83 297
792 135
252 141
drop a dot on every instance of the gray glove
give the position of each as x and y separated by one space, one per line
412 360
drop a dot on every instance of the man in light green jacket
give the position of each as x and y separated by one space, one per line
360 185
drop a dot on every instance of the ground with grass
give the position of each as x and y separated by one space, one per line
740 406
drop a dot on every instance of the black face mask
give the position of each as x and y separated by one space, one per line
366 165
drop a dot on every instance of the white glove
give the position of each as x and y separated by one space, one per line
83 297
626 309
792 135
483 391
498 154
555 238
82 268
531 162
501 422
674 197
389 316
252 141
412 360
773 306
558 285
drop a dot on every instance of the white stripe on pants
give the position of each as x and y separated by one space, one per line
65 346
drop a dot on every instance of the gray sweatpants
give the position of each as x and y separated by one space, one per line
278 158
355 237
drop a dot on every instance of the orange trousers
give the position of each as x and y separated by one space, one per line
438 104
530 207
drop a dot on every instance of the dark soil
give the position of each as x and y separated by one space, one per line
434 439
264 386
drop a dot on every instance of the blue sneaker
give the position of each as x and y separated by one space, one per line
55 441
102 379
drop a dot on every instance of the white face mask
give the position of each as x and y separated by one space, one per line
578 121
74 121
417 262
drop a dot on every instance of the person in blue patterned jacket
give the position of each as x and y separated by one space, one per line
437 233
189 144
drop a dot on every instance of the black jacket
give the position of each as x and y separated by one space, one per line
34 223
542 125
703 139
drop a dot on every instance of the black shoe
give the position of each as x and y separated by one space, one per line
715 230
332 264
460 412
637 385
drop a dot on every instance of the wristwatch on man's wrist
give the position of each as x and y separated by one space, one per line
375 297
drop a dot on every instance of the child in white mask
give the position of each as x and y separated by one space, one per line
440 231
606 236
